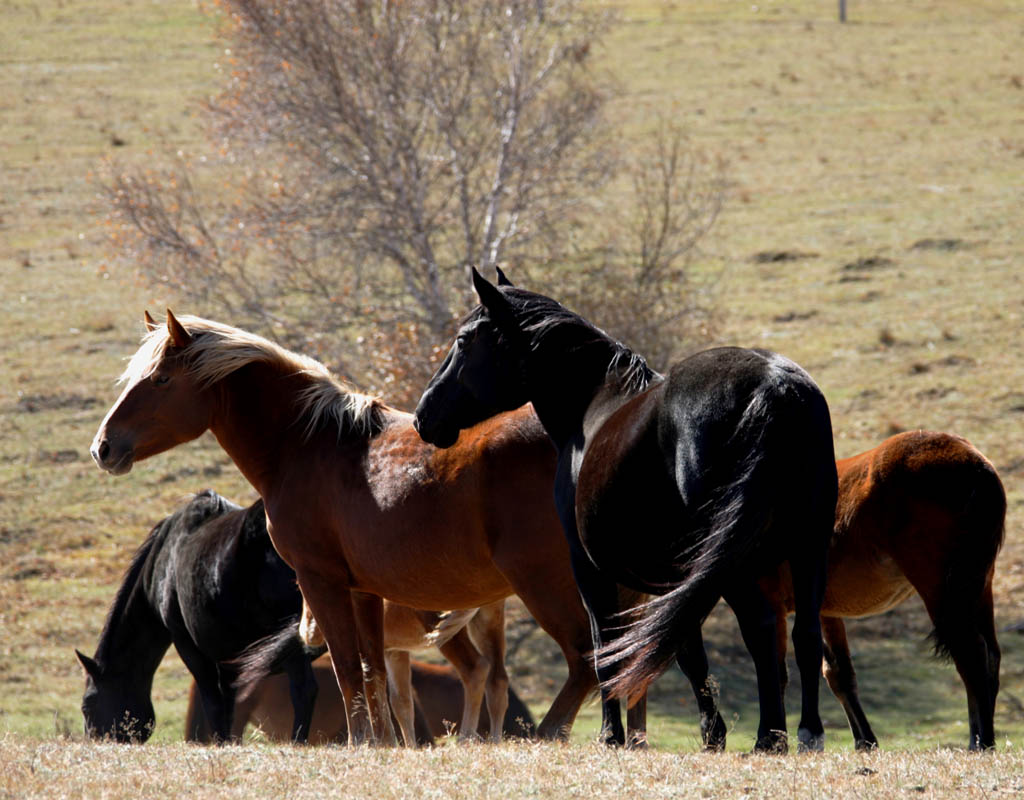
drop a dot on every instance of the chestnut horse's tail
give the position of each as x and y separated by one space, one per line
270 656
733 539
965 603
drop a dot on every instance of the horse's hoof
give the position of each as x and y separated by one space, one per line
809 742
713 735
865 745
637 741
611 740
775 743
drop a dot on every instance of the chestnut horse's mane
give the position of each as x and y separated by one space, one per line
217 350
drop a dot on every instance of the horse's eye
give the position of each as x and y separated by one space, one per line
160 380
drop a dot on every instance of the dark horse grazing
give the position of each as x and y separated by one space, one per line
439 700
921 512
689 487
208 581
357 504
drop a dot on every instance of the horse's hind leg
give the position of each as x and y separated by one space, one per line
809 572
756 618
399 668
302 688
636 724
965 631
842 680
487 630
693 661
472 669
971 643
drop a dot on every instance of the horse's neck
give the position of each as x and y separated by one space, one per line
258 411
572 386
135 637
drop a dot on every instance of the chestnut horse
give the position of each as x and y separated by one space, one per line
438 709
922 512
688 486
357 504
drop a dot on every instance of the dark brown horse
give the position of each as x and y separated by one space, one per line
439 708
357 504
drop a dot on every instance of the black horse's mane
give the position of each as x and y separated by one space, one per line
203 506
540 317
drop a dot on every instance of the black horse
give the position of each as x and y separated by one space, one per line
208 581
688 487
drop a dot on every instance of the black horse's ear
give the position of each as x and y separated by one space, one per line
150 322
92 669
180 337
494 301
503 278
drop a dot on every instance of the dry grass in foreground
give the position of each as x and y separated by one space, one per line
48 768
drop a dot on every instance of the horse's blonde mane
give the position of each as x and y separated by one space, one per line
217 350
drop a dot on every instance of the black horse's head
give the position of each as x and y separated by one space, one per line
482 375
112 707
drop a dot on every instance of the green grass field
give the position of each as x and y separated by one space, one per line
871 232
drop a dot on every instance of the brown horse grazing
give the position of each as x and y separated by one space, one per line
921 512
438 709
357 504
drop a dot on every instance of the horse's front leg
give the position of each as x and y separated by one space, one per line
369 613
332 608
601 600
842 680
217 705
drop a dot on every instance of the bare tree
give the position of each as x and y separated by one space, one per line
367 153
637 277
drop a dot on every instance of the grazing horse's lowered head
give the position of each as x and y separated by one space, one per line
114 706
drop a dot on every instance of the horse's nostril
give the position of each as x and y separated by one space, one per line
104 450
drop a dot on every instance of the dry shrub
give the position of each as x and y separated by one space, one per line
364 155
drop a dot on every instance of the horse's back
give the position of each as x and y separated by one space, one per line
231 587
908 509
723 418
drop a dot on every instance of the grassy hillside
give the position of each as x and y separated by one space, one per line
871 233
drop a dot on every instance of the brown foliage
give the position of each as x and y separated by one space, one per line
367 154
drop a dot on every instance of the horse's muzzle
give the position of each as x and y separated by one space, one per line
435 436
110 457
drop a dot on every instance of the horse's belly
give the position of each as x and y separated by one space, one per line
861 587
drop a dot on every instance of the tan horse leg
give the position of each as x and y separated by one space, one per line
399 666
487 631
472 669
369 614
309 631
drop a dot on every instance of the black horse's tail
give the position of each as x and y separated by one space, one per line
970 563
735 520
269 656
